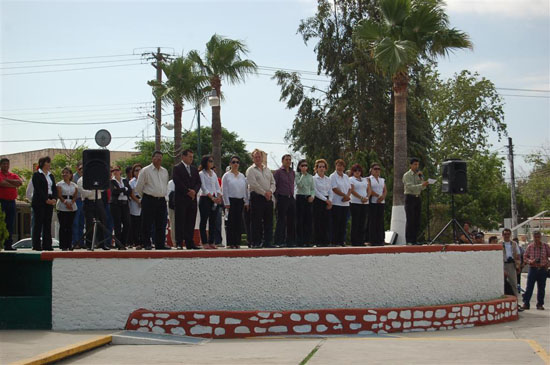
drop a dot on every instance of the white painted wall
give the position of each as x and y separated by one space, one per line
101 293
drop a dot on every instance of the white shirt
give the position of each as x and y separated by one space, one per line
378 187
209 183
323 187
69 189
120 184
133 206
234 187
342 183
29 191
508 248
48 180
360 187
87 194
152 181
170 188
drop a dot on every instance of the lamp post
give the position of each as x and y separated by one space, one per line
213 100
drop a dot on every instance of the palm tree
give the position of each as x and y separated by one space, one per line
409 31
222 61
185 81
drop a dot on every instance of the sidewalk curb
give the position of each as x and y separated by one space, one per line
66 351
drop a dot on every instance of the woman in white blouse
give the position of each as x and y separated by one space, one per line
340 204
358 205
134 206
235 198
377 194
67 192
209 202
120 193
322 204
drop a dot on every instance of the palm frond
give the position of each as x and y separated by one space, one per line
394 12
368 31
395 55
447 40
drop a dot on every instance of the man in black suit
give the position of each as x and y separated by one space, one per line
187 182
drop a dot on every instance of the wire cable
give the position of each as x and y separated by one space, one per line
38 122
72 69
70 59
64 64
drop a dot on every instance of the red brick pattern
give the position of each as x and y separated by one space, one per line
235 324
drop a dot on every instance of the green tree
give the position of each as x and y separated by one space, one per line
222 60
535 190
185 82
407 32
231 144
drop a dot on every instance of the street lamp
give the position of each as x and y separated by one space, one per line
213 100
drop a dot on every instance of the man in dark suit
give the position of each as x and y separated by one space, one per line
187 183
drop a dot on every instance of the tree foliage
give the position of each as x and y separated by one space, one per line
535 190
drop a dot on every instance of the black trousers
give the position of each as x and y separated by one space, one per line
321 222
339 219
358 223
235 221
185 217
135 230
304 219
65 229
208 214
285 231
261 220
376 224
121 220
42 227
413 207
93 209
10 210
153 213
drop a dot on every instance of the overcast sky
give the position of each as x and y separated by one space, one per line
511 48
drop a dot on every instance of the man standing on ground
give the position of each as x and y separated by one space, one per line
512 259
261 185
286 205
413 186
152 185
9 182
537 256
187 183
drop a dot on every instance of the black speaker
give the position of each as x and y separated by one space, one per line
96 169
455 178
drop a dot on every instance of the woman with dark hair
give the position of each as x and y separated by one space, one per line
235 197
358 205
67 192
134 206
43 200
322 204
340 205
305 193
209 202
120 193
377 194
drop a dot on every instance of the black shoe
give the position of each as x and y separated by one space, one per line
179 248
106 248
540 307
163 248
526 306
122 248
148 248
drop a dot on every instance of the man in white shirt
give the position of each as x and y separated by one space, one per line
152 185
512 259
261 184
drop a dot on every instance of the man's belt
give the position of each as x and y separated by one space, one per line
67 196
416 196
153 197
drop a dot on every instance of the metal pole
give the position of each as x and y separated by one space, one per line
158 108
199 131
512 186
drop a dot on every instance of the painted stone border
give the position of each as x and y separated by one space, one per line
272 252
238 324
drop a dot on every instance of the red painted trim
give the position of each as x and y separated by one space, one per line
320 251
238 324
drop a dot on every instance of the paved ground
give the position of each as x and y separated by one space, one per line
526 341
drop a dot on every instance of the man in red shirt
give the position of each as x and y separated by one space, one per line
9 182
537 256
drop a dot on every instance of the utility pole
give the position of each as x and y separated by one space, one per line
512 185
158 57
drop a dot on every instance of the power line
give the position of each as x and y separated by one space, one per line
517 89
75 106
527 96
38 122
57 139
64 64
69 59
71 69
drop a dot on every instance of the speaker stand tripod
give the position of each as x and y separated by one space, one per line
98 225
455 224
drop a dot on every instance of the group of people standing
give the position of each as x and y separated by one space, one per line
310 209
